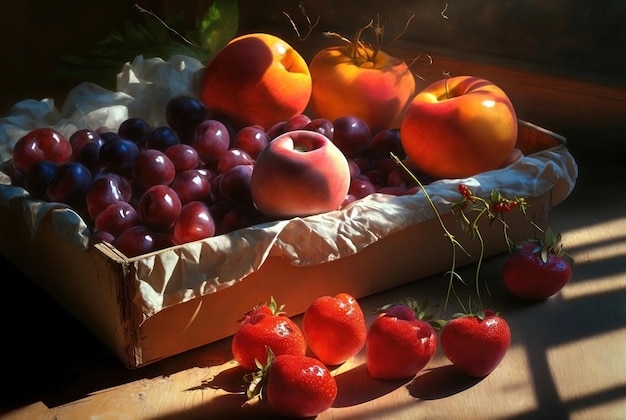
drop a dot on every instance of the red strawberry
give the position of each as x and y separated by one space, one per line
476 344
266 326
538 269
293 386
399 344
334 328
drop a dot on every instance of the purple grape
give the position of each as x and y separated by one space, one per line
118 154
183 114
39 177
135 129
162 138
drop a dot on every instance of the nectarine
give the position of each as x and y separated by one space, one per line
458 127
256 79
362 82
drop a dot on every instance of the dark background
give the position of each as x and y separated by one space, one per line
579 37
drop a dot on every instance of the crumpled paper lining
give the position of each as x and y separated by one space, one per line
188 271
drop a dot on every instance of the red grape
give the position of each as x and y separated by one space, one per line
398 177
364 163
234 185
103 236
360 188
183 156
297 122
277 129
252 140
192 185
82 137
211 140
152 167
233 157
351 134
159 207
216 195
239 217
194 222
117 218
377 177
322 126
40 144
102 192
385 164
348 200
138 240
384 142
123 183
355 169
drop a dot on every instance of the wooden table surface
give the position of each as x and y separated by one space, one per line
568 353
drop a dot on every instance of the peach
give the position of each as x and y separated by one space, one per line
256 79
458 127
370 85
299 173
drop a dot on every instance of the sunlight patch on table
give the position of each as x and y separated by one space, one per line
574 371
586 288
514 371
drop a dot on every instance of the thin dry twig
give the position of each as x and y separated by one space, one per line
443 12
310 24
169 28
406 27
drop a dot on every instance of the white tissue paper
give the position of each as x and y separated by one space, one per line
184 272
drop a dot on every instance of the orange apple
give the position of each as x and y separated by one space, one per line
256 79
299 173
458 127
361 82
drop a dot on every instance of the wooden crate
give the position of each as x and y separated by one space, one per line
98 285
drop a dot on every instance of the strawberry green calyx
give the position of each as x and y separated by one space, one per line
550 244
409 307
257 380
275 308
271 308
480 314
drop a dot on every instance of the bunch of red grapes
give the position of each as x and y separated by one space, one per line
144 188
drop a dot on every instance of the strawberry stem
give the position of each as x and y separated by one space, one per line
447 233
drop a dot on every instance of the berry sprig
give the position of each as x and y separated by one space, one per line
469 210
494 208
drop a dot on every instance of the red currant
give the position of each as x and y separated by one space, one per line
465 191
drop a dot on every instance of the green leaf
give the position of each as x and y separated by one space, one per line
218 25
151 38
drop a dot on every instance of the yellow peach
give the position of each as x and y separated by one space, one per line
256 79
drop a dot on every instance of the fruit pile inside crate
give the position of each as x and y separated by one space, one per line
195 178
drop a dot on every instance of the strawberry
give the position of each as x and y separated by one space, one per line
538 269
266 326
476 344
334 328
400 342
293 385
